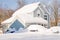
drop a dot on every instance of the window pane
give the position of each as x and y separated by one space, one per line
45 15
45 18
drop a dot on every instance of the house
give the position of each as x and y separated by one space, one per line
34 13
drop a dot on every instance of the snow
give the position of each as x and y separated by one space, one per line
29 36
24 16
26 34
42 34
36 27
39 29
21 30
55 29
10 30
8 20
26 9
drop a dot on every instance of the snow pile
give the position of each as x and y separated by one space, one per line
55 29
13 30
37 28
21 30
29 36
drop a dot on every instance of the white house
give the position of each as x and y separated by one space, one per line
34 13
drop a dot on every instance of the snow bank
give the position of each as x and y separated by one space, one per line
21 30
29 36
55 29
37 28
10 30
13 30
41 29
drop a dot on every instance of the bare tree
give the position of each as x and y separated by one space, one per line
55 8
1 17
54 12
20 3
4 14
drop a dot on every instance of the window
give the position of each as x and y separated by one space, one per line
45 17
37 15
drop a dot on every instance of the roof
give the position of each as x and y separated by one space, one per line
8 20
26 9
30 8
26 18
22 15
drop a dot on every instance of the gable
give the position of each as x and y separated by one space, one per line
37 12
17 25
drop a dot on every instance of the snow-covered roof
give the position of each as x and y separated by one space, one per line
26 9
9 20
30 8
22 15
26 18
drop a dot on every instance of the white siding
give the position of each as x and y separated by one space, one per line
37 13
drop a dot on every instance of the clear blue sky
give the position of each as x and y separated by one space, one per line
8 4
13 5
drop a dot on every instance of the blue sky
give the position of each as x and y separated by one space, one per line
8 4
13 5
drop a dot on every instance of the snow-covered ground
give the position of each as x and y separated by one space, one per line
47 34
42 34
29 36
55 29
